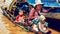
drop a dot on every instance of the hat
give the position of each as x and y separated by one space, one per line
37 2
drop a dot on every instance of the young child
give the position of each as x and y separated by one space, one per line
36 22
42 25
39 24
20 17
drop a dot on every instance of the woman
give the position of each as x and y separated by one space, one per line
34 12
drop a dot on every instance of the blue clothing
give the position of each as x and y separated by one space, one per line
36 20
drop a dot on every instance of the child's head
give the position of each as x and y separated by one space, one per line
42 19
20 12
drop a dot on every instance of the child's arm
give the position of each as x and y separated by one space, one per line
23 19
40 26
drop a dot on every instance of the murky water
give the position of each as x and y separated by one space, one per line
3 29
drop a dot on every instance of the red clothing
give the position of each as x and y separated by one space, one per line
19 17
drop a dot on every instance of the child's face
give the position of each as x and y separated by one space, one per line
21 13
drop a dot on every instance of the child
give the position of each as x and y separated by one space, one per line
20 17
39 25
35 22
42 25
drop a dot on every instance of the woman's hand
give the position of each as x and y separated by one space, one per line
52 7
45 10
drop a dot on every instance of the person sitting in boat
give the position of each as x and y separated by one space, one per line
43 26
34 12
20 18
36 22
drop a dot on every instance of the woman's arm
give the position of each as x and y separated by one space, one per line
31 13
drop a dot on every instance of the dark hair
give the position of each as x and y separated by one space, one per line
35 7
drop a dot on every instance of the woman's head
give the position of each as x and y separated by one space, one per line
20 12
39 6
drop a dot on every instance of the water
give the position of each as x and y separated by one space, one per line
53 23
3 27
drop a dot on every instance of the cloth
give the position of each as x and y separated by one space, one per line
36 20
42 27
33 13
35 28
46 24
19 18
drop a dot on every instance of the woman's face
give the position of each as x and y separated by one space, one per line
39 6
